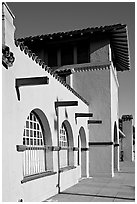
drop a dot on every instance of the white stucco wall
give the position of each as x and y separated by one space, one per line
94 86
114 116
14 115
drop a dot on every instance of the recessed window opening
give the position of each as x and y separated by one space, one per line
35 157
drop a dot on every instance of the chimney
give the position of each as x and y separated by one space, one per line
8 28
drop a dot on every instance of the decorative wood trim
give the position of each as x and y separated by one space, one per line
32 81
100 143
37 176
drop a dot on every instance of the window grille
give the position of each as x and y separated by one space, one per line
63 142
34 158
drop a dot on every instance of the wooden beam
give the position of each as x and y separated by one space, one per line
84 149
83 115
22 148
32 81
100 143
94 121
65 103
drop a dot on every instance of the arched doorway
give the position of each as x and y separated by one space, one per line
116 155
82 155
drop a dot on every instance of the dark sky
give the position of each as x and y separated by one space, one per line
34 18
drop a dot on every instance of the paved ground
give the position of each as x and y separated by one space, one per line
120 188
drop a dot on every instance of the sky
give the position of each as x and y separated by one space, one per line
36 18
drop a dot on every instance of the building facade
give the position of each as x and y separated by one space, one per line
60 108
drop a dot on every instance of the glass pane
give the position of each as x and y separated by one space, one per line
37 134
27 124
23 141
31 133
27 133
31 126
34 133
34 125
31 141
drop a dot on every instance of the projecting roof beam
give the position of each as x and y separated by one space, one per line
119 51
118 32
123 64
117 35
121 47
121 68
119 39
123 50
122 58
120 43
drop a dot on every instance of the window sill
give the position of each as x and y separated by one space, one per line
37 176
67 168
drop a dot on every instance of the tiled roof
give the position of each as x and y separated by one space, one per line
116 33
34 57
81 67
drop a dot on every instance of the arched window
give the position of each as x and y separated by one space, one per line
63 142
66 143
35 156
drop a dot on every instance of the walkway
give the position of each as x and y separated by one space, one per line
120 188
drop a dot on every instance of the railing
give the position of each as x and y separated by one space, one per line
34 162
34 157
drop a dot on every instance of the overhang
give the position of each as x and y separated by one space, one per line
117 34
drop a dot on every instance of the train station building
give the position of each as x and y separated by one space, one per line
59 108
